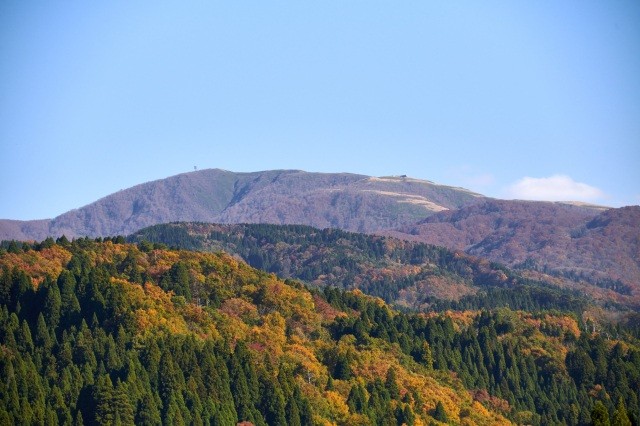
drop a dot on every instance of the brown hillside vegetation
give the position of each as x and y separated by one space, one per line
572 241
337 200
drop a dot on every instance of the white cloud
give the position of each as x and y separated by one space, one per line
553 188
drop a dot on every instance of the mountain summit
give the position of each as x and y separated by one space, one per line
339 200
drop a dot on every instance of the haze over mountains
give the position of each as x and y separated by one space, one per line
578 241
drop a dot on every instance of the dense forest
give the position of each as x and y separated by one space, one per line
103 332
409 275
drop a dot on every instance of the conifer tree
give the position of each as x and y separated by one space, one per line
173 413
78 421
122 404
148 413
243 355
24 339
342 369
408 416
600 415
21 290
10 392
439 413
357 399
6 284
306 413
51 418
620 417
95 302
70 306
52 303
391 383
292 411
427 356
240 391
43 338
329 385
273 404
105 413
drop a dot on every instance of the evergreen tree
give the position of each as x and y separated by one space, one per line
306 414
51 418
273 404
342 369
240 391
242 354
52 303
78 419
122 404
24 340
70 306
10 395
600 415
357 400
177 279
391 384
43 338
439 413
292 413
173 413
6 284
95 302
581 367
329 385
620 417
21 291
105 412
148 413
408 416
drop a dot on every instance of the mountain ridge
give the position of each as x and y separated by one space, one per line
342 200
557 238
577 241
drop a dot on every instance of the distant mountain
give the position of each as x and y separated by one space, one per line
578 242
338 200
24 230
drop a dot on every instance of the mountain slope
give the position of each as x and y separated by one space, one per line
578 242
407 274
338 200
122 336
24 230
581 243
100 332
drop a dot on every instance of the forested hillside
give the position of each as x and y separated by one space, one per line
600 247
102 332
408 274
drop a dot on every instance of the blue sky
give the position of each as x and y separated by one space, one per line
537 100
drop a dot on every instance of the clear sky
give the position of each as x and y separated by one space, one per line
527 99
